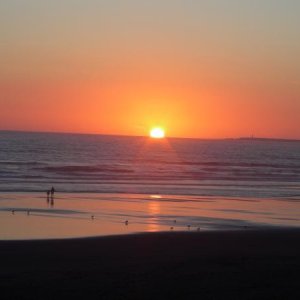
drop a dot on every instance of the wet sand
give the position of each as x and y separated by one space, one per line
262 264
79 215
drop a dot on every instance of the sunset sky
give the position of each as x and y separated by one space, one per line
207 69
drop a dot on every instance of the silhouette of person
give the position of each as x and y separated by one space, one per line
52 191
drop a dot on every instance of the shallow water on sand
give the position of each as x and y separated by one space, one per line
33 216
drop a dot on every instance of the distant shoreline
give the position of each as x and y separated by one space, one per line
266 139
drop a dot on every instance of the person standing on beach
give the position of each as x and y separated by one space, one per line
52 191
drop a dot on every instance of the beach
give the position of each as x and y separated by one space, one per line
133 218
244 264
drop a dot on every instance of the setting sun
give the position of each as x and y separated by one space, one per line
157 133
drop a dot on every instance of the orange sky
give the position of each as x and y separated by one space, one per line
206 70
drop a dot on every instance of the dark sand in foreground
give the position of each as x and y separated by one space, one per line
247 264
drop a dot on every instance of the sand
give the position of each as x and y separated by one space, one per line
262 264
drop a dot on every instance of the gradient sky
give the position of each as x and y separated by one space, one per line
208 69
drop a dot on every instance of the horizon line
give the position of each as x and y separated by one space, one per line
252 137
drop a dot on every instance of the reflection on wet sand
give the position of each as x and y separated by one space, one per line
153 211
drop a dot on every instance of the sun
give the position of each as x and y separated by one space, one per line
157 133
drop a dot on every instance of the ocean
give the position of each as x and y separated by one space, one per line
155 184
31 162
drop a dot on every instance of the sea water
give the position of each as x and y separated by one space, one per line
202 183
31 162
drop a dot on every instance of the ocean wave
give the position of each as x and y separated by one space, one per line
85 169
22 163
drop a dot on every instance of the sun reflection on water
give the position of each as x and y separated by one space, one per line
154 211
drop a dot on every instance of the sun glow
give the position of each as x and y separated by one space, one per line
157 133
